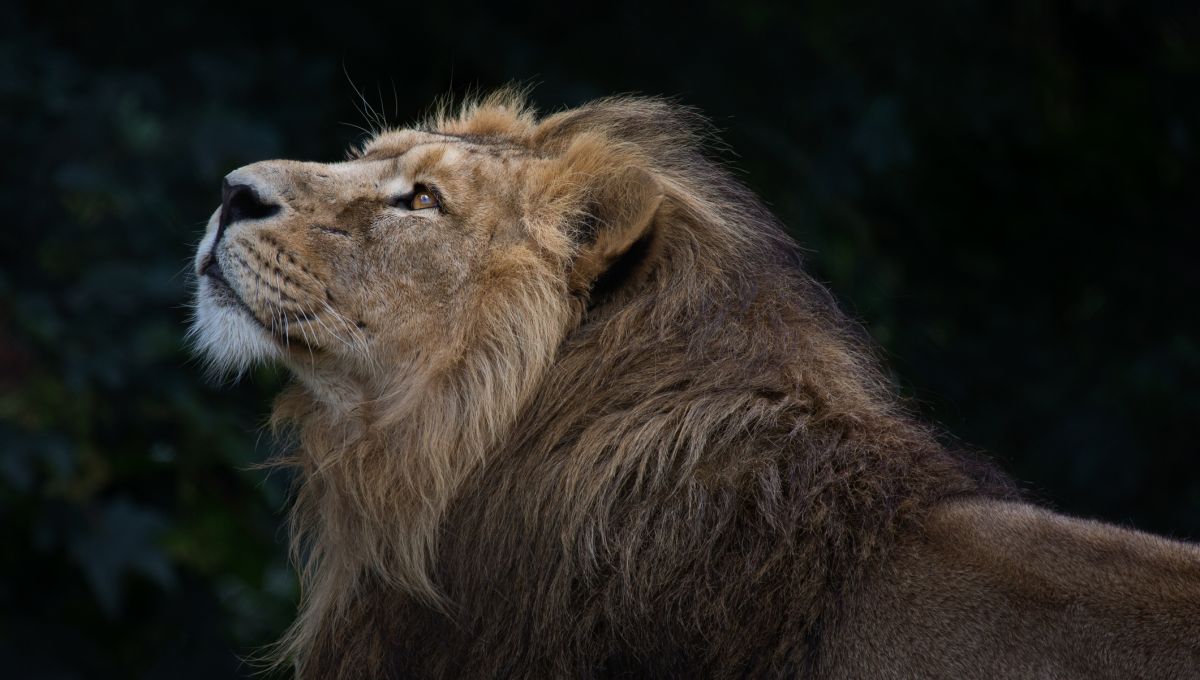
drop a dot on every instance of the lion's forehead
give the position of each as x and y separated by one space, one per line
395 143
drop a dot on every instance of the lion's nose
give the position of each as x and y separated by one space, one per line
238 202
242 202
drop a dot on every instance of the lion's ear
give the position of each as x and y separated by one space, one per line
619 217
600 201
606 202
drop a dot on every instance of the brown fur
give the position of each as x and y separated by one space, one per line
594 420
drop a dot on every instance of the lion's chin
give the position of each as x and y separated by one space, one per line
225 334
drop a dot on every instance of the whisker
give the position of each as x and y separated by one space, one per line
307 341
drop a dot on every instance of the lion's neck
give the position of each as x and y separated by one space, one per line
633 479
379 466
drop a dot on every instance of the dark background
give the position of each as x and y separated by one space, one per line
1004 193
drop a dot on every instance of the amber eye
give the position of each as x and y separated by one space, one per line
422 199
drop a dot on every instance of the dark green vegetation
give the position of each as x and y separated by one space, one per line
1003 195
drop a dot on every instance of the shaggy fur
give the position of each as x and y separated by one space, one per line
590 418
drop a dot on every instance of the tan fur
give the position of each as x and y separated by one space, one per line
592 419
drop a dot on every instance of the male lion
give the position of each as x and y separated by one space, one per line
566 405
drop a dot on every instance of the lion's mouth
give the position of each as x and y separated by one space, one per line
224 292
221 287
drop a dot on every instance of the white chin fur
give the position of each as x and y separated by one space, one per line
228 339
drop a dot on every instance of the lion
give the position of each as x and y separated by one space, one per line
567 404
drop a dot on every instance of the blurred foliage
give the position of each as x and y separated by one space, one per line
1003 192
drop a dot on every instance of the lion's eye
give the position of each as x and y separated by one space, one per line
422 199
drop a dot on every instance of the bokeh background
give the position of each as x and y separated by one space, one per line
1004 193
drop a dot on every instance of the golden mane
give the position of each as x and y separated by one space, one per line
593 460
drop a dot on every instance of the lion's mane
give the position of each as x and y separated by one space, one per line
683 481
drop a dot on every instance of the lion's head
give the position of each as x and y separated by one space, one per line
427 248
566 321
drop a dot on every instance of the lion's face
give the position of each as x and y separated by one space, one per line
383 260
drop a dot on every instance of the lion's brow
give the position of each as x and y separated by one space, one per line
469 143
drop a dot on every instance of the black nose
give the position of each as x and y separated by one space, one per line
238 202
